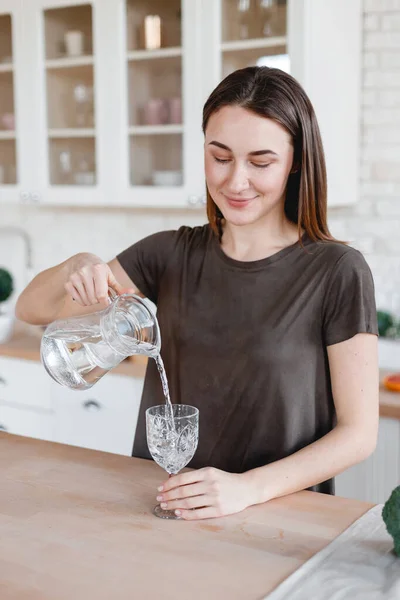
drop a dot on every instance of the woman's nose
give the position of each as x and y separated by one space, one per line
238 180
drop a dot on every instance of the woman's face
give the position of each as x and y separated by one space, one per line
248 159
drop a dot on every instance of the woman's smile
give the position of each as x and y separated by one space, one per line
240 203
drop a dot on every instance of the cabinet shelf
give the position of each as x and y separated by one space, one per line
155 129
152 54
69 132
6 67
66 62
254 44
7 135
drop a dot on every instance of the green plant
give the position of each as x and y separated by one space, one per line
388 325
6 285
391 517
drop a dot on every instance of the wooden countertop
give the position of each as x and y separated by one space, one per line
25 343
77 524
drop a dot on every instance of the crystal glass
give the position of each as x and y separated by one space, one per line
172 438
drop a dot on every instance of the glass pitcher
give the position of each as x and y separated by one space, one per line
78 351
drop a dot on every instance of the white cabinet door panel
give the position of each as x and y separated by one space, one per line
24 383
374 479
102 418
31 423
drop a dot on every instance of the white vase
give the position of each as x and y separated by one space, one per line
389 354
6 327
74 43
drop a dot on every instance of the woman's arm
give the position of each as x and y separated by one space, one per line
354 372
355 383
77 286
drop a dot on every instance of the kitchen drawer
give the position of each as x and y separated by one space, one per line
29 422
103 417
24 383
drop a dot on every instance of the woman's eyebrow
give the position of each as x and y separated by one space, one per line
254 153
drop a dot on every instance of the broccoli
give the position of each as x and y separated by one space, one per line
385 322
391 517
6 284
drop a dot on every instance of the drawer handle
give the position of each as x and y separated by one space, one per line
3 427
92 405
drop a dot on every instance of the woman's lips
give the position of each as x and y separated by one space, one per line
238 203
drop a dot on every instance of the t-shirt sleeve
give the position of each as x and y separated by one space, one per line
349 304
145 261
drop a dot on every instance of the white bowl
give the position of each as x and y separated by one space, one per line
167 178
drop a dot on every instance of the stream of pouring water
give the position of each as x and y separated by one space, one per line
163 377
169 413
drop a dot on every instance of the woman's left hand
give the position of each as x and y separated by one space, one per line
205 493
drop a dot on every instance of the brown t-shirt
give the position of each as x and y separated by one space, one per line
245 342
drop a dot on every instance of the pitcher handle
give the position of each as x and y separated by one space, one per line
112 294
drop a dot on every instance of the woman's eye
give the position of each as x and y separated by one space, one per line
221 160
263 166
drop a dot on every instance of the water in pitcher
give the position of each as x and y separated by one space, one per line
80 358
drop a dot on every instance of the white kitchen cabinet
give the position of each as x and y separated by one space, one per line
374 479
118 121
10 58
30 422
102 418
24 383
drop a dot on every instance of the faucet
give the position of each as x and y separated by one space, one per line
28 245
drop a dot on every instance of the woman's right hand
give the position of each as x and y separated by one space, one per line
89 280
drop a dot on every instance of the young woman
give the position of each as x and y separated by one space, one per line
268 324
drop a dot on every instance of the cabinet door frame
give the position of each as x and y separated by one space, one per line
42 190
14 192
192 192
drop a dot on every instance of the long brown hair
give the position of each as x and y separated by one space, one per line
274 94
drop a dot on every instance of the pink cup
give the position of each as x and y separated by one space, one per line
175 110
8 121
155 112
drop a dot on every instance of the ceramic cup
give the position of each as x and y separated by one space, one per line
175 110
74 43
8 121
155 111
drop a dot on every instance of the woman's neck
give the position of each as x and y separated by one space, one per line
257 240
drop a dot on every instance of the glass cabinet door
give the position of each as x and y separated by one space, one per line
253 33
70 105
154 63
163 98
8 150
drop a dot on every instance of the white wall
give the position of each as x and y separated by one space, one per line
372 225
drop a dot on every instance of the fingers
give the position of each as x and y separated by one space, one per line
186 503
209 512
100 285
184 479
185 491
79 290
113 283
89 285
69 288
